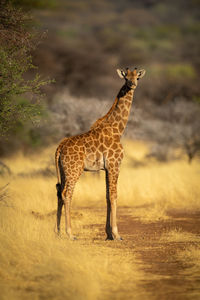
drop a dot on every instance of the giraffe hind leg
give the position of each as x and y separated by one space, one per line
59 187
67 192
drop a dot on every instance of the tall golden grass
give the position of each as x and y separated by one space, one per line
36 264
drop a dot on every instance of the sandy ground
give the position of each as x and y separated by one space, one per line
158 219
165 275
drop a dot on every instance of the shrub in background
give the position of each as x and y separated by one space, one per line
20 98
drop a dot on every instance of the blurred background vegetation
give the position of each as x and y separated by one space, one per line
79 44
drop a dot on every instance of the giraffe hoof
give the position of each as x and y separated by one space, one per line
73 238
119 238
109 238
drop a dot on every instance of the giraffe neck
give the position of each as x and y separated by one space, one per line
101 120
118 116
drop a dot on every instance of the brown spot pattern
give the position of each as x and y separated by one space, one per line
100 144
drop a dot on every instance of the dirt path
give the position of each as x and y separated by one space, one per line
160 257
169 274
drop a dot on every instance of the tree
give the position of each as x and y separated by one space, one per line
19 97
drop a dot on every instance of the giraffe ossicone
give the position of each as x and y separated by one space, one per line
98 149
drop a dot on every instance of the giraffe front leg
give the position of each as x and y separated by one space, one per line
113 178
108 225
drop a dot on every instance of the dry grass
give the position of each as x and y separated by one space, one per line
178 235
191 257
190 260
36 264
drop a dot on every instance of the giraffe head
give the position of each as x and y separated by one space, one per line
131 77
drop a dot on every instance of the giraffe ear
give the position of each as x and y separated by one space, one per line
141 73
121 73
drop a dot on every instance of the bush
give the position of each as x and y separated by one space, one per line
19 97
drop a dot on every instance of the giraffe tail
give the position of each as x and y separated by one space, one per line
59 190
58 171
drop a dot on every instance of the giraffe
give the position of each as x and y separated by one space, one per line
97 149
